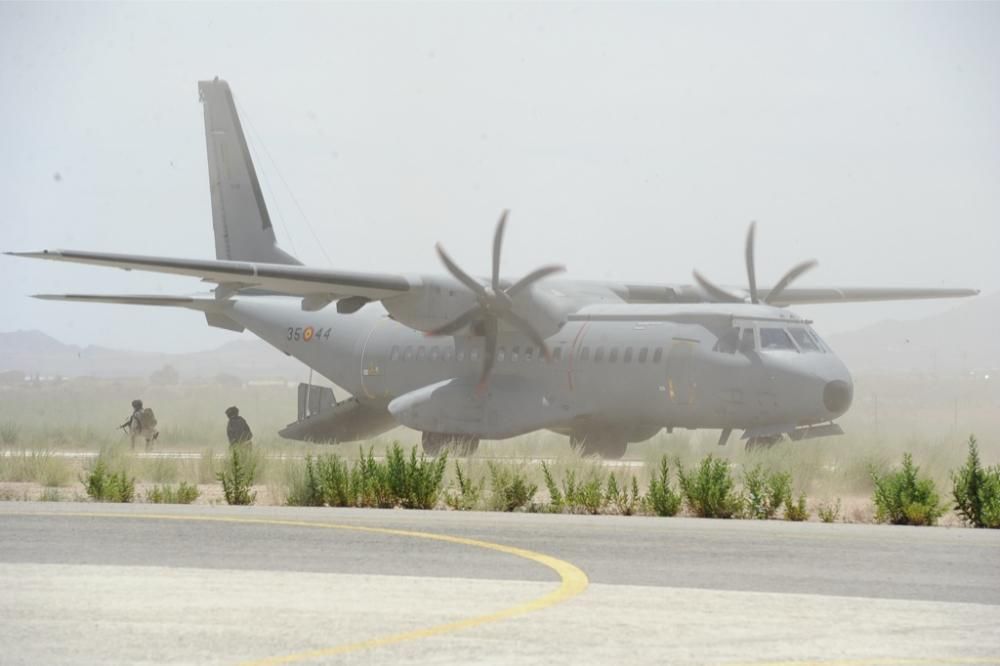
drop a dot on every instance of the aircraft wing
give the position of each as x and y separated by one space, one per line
286 279
136 299
688 293
817 295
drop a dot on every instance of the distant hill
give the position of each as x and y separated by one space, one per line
34 352
963 339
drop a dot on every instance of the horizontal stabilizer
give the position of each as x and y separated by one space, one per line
190 302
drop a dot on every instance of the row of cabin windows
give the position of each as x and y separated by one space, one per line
528 353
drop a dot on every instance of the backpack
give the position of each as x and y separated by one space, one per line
147 419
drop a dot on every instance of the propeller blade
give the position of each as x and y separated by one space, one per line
717 293
523 325
490 354
793 273
751 269
458 323
532 277
459 274
497 244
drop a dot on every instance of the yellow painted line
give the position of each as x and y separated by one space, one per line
887 661
573 581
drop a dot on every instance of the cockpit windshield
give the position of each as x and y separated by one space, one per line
800 339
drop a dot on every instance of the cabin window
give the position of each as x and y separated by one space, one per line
420 353
728 342
474 355
772 339
515 353
643 354
628 355
394 354
804 340
585 354
460 355
529 353
435 353
747 342
408 354
447 353
501 354
658 355
613 355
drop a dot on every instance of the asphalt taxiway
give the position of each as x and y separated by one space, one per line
86 583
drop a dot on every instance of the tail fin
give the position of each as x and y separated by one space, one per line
243 229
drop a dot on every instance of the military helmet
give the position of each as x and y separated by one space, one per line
232 411
137 404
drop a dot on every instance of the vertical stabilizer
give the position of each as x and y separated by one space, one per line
243 228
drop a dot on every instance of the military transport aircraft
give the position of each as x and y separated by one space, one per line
461 358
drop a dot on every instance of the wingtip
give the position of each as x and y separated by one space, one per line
32 255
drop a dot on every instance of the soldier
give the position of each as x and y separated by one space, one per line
142 423
237 429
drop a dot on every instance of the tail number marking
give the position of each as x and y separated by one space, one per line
308 333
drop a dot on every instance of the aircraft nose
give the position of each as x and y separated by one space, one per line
837 396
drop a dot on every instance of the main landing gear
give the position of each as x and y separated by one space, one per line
761 443
607 446
434 442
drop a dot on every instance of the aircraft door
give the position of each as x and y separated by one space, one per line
375 357
681 385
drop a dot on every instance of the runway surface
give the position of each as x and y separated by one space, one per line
86 583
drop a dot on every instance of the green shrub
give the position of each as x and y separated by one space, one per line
590 496
510 489
586 497
423 479
796 511
185 493
105 486
239 470
555 495
332 480
709 491
468 493
412 483
661 498
368 478
304 488
976 491
829 513
903 498
766 491
626 499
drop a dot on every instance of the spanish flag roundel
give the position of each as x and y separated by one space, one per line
307 334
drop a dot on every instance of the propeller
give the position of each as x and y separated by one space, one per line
721 295
494 303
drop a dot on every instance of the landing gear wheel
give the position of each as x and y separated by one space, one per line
761 443
606 447
434 442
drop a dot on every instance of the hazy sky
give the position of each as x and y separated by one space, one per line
631 142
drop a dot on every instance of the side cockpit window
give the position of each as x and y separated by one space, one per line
728 342
775 339
805 340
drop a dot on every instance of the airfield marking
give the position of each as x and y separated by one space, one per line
573 581
880 661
